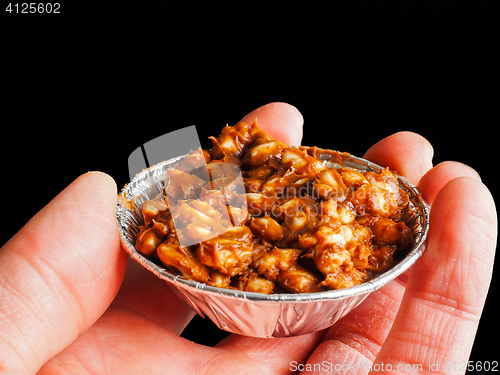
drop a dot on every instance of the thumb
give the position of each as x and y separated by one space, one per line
59 273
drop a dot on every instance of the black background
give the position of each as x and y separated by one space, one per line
86 87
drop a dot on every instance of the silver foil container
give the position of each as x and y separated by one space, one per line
263 315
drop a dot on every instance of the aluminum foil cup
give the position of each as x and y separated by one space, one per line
267 315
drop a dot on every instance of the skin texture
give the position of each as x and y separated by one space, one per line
71 304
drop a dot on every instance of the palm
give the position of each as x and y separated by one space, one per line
412 320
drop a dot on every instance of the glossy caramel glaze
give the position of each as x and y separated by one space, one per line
293 225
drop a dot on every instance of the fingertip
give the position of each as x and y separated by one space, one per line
435 179
468 200
407 153
462 236
463 230
100 179
281 120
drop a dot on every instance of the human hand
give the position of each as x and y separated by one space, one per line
69 303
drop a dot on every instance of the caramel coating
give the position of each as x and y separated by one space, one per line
292 225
